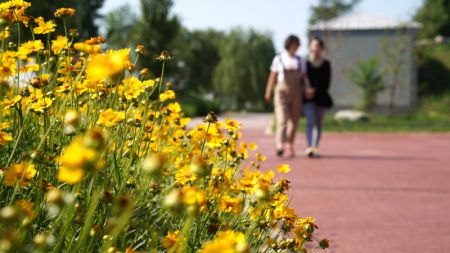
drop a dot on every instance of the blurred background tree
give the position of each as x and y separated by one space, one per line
156 29
211 68
434 15
368 76
241 74
116 22
434 55
217 70
329 9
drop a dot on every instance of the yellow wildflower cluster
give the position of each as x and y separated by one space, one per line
96 155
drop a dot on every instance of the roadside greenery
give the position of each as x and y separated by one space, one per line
368 76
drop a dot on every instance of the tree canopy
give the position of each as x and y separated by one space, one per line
329 9
434 15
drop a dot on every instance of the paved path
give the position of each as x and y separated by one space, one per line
373 192
370 192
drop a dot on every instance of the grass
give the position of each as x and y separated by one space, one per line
433 115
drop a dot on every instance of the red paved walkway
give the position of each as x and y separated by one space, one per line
373 192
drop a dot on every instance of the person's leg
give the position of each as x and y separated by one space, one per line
295 107
310 115
319 115
281 116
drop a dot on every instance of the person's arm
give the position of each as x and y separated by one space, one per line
309 90
270 85
326 78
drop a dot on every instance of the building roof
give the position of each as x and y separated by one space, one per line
362 21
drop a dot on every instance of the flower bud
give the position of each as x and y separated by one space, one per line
199 166
153 164
72 117
8 213
173 200
242 247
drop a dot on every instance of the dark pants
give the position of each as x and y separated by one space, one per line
314 117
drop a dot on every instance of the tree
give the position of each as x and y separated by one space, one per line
394 51
329 9
435 18
369 77
120 27
157 28
197 55
241 74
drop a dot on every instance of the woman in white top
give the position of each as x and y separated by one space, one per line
287 72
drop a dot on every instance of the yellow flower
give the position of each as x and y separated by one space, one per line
19 15
184 175
70 175
260 157
232 125
172 240
4 137
6 103
131 88
230 205
193 196
61 42
64 12
41 104
279 199
75 160
249 182
29 47
252 146
8 64
16 4
226 242
90 49
20 174
103 66
283 168
4 34
44 27
29 68
110 118
167 95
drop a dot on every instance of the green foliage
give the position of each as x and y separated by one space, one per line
416 122
116 22
394 51
242 72
197 53
208 62
434 69
369 77
329 9
156 28
435 18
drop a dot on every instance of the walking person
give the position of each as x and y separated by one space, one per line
317 98
285 81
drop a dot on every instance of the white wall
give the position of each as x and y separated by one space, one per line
345 49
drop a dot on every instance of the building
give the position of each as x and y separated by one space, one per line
358 36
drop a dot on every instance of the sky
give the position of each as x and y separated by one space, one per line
277 17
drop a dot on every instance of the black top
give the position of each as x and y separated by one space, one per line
320 78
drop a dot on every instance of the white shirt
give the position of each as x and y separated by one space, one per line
286 61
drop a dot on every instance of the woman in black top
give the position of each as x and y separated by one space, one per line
317 99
